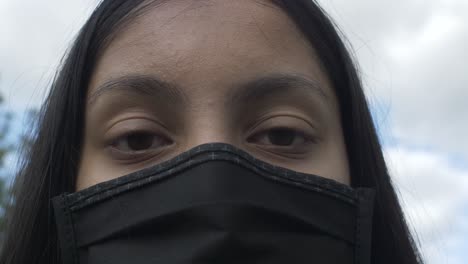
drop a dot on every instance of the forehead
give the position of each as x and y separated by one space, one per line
201 43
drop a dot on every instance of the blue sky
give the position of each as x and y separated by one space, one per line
412 57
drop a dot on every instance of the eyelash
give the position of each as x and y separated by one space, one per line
140 154
128 154
296 132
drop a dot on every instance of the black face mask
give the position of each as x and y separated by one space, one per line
215 204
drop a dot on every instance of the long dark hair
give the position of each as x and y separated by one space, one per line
50 163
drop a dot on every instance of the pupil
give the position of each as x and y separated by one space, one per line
279 136
139 141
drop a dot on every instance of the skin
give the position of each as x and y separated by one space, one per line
209 49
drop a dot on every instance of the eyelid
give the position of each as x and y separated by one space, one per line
133 116
309 138
129 125
134 157
281 120
136 152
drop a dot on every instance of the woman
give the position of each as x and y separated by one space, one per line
150 83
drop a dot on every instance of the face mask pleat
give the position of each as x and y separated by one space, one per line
217 211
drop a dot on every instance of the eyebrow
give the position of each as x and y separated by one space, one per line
274 85
277 84
144 85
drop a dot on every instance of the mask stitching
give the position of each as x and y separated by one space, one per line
364 212
358 232
70 230
145 176
103 194
150 171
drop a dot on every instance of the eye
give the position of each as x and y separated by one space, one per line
138 141
135 139
282 137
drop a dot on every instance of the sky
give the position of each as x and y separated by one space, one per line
411 55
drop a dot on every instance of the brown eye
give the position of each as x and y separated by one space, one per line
138 141
282 137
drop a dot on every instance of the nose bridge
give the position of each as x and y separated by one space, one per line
207 123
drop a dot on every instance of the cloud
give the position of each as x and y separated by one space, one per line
413 61
33 37
430 85
434 196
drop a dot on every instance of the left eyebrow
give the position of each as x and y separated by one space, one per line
278 85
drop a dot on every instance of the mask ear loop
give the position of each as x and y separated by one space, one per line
364 226
65 230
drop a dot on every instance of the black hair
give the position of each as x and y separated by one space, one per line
50 163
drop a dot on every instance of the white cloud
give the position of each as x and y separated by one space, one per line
429 86
33 37
413 58
434 195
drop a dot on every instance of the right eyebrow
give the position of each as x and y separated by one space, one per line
145 85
